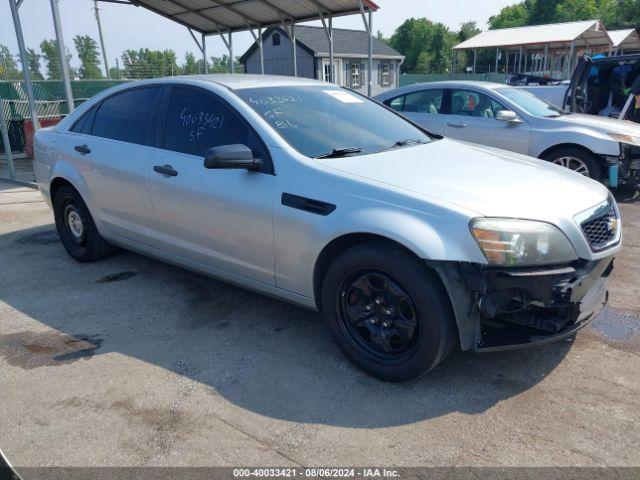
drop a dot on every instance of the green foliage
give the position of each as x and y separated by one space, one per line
615 14
145 63
426 45
49 50
89 56
8 66
190 66
33 60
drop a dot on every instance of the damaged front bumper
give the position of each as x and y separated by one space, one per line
508 308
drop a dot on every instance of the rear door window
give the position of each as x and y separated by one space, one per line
198 120
424 101
126 116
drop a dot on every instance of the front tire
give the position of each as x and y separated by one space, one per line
576 160
76 228
388 312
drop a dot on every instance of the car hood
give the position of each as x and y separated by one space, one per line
487 181
605 124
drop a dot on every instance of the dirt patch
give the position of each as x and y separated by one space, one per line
117 277
39 238
29 350
618 329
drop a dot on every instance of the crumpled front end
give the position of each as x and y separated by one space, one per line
507 308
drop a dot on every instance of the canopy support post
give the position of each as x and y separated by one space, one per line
25 66
475 60
64 64
520 60
204 54
368 25
6 142
261 46
546 60
294 48
328 31
497 59
570 59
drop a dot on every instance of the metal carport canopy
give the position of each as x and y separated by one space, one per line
224 17
589 32
216 16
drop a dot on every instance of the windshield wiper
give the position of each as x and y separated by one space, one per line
340 152
404 143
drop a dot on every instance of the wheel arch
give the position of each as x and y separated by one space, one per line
343 243
562 146
598 158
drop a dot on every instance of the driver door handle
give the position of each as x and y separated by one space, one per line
83 149
167 170
457 125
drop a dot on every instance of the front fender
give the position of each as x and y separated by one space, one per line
596 142
301 239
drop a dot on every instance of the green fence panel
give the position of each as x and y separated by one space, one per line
411 78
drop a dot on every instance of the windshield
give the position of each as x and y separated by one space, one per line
530 103
327 121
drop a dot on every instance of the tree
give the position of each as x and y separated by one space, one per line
190 66
145 63
33 60
512 16
8 67
426 45
52 59
89 55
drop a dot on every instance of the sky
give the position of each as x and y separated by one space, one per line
127 27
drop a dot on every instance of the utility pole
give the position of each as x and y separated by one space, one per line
104 52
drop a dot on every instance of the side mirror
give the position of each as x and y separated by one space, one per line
231 157
507 116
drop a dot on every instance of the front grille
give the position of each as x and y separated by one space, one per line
602 230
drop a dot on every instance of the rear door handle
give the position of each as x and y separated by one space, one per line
83 149
167 170
457 125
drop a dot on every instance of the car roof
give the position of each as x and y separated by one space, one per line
239 81
444 84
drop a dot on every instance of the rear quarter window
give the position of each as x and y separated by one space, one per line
126 116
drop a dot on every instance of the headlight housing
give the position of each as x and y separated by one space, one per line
520 243
622 138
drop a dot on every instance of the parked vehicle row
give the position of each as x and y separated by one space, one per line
410 244
516 120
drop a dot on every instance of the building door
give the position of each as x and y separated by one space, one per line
326 73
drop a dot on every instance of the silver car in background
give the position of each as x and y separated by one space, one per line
513 119
409 245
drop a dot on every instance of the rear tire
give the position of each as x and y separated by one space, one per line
388 312
76 228
576 160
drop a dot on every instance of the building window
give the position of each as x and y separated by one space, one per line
327 73
385 74
275 39
355 75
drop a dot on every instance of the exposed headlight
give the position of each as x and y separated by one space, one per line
519 243
630 139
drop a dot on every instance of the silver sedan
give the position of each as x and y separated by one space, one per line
513 119
410 245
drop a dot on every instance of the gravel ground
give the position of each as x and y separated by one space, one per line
131 362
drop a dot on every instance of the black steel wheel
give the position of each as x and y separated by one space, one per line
378 314
76 228
387 311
